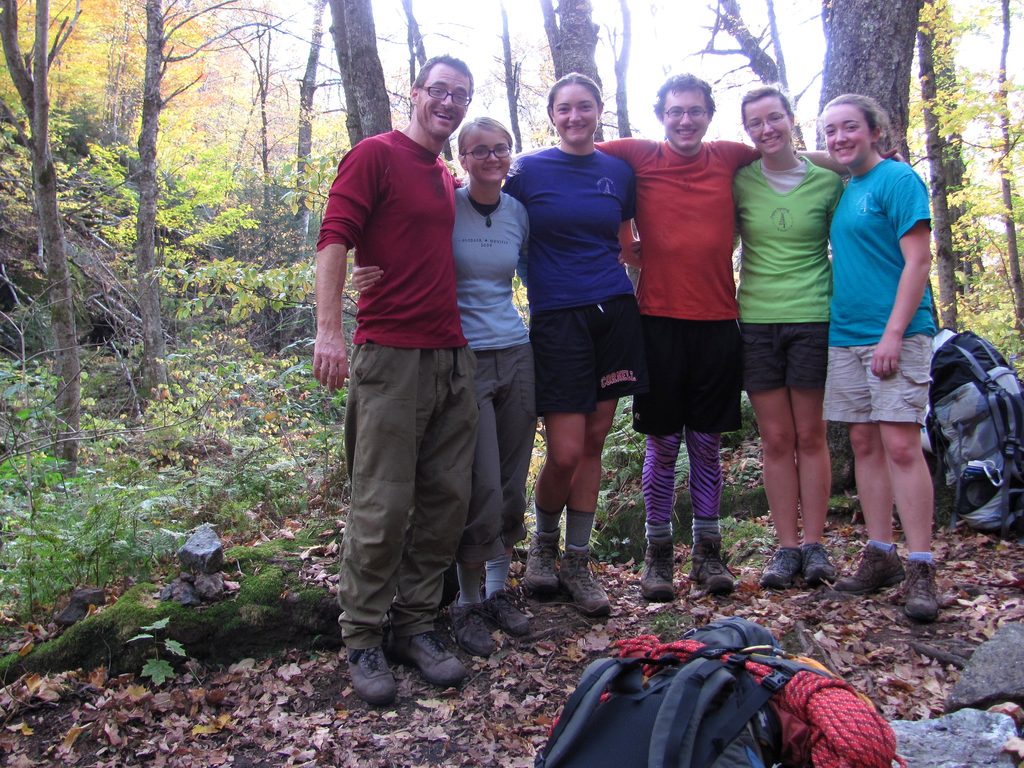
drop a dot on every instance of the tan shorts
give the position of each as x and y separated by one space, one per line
854 394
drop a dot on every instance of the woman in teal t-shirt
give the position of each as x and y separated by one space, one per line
784 205
880 348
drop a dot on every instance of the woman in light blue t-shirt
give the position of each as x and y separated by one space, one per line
880 348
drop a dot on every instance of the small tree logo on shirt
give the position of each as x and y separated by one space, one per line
606 186
783 219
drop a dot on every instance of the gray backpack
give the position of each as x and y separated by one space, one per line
976 427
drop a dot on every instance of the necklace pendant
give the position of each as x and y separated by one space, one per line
487 220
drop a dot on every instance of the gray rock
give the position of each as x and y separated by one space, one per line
969 738
202 553
994 674
210 586
78 608
181 591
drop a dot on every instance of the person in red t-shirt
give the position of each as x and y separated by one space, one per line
411 414
685 218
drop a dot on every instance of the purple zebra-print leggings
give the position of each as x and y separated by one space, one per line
659 477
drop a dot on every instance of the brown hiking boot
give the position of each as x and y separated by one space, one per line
371 676
580 582
709 571
541 564
426 652
876 570
470 628
919 591
656 579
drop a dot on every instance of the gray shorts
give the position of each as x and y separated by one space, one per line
854 394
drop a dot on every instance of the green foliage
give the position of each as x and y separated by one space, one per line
158 669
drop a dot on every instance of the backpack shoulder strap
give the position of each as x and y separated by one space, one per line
584 700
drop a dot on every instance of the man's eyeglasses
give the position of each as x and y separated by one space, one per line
694 113
774 119
501 151
439 92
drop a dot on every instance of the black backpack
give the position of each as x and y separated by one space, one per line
699 714
976 428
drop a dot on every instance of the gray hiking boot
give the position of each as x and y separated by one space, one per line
709 571
426 652
876 570
656 579
919 591
580 582
817 564
782 568
470 627
371 676
504 613
541 564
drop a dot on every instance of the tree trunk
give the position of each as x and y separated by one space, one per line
355 42
32 86
573 41
870 48
417 58
621 68
1006 176
945 161
154 373
307 90
731 20
512 75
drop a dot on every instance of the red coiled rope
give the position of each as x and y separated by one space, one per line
846 730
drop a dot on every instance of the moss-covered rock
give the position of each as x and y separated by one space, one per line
272 610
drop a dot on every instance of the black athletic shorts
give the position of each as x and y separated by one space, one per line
696 373
586 354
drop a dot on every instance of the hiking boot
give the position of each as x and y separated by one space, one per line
541 574
656 579
876 570
470 627
427 653
817 564
709 571
503 612
919 591
782 568
371 676
580 582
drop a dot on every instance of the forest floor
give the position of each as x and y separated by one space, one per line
299 709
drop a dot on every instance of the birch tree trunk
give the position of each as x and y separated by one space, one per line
154 349
31 81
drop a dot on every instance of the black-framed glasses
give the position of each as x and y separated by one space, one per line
439 92
694 113
500 151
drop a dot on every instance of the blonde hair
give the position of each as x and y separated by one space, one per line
483 124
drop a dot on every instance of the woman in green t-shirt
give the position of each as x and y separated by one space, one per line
784 206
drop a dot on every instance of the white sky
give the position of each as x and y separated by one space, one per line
667 38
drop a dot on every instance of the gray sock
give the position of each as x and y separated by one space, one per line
497 574
705 526
578 526
659 531
547 522
469 583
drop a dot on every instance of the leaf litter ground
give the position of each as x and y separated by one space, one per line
298 709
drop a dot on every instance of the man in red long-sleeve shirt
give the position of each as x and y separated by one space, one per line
410 417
